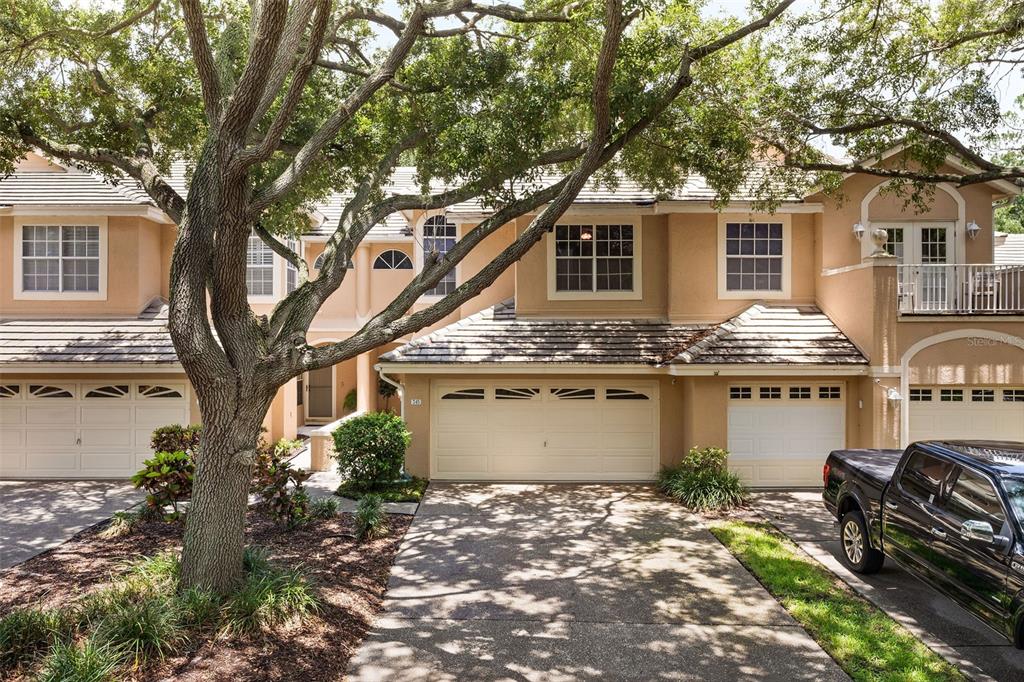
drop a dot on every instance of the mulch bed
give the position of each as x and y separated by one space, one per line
351 579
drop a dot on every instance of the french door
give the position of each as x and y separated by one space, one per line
925 250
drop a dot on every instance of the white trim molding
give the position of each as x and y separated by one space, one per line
959 234
928 342
20 222
636 294
787 256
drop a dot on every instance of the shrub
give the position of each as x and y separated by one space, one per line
140 626
175 438
323 508
350 401
167 478
270 597
25 633
371 522
703 482
387 391
370 449
88 662
121 524
279 486
199 607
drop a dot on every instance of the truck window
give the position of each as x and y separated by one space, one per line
923 476
973 498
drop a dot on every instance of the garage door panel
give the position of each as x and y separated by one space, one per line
110 414
107 461
12 414
54 461
45 414
460 465
12 462
94 438
51 438
580 440
11 439
627 463
154 416
634 419
460 440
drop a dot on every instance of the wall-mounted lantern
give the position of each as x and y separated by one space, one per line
858 230
973 229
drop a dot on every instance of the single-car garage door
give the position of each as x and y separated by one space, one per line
781 434
539 430
968 412
56 429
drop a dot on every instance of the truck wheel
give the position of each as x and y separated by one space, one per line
855 550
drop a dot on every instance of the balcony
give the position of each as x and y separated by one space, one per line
946 289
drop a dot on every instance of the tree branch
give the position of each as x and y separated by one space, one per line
202 55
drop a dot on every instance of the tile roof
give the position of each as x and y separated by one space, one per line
762 334
72 188
496 335
142 339
774 334
1009 249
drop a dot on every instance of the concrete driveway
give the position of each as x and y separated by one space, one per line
37 515
935 619
560 582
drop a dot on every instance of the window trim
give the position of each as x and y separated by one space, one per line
20 222
417 261
636 294
787 256
277 281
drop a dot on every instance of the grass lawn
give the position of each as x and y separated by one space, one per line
864 641
403 491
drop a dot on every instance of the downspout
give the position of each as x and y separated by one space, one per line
398 387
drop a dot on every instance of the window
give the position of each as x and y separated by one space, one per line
60 258
974 499
924 475
624 394
44 391
291 280
739 393
770 393
464 394
983 395
830 392
150 391
117 391
799 392
920 395
894 245
259 271
439 235
753 257
1013 395
574 393
951 395
592 258
9 390
392 259
516 393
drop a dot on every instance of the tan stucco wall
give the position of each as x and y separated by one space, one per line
972 360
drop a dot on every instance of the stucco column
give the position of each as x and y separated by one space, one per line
364 371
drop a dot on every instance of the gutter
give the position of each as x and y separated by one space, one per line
401 389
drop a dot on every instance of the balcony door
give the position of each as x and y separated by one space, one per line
926 248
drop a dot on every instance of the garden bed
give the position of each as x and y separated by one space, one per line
410 490
349 577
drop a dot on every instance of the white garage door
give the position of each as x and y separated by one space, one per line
781 434
537 431
83 430
969 412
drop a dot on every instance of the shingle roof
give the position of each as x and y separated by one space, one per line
496 335
762 334
1009 249
73 189
774 334
142 339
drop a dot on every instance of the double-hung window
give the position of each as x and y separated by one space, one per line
259 271
440 235
595 260
291 274
754 258
59 259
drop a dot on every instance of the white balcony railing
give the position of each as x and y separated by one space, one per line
961 289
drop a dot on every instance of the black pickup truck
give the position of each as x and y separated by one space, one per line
950 513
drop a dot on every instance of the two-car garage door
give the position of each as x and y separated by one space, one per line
83 429
543 430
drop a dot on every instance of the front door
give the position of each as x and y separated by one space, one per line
320 395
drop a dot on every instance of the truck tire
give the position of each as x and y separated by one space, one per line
854 547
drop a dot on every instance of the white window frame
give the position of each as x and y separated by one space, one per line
289 269
63 221
277 277
417 261
638 271
787 257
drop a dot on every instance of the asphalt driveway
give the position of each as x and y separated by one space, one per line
37 515
559 582
935 619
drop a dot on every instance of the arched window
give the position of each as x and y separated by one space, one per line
392 259
439 234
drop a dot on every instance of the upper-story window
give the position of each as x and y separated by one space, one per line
291 273
594 261
259 271
754 258
57 261
392 259
440 234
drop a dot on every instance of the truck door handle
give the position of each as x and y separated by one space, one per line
940 534
892 505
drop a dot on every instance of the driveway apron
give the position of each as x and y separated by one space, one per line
564 582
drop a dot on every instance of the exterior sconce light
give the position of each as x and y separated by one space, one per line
973 229
858 230
893 395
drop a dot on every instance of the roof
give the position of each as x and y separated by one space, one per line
74 189
774 334
142 339
496 335
1008 249
762 334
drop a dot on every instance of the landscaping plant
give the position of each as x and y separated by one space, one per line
280 487
167 479
87 661
121 523
175 437
323 508
702 481
25 633
370 449
371 522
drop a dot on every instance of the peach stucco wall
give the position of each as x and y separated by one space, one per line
971 360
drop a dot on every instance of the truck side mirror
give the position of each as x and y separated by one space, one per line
978 530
